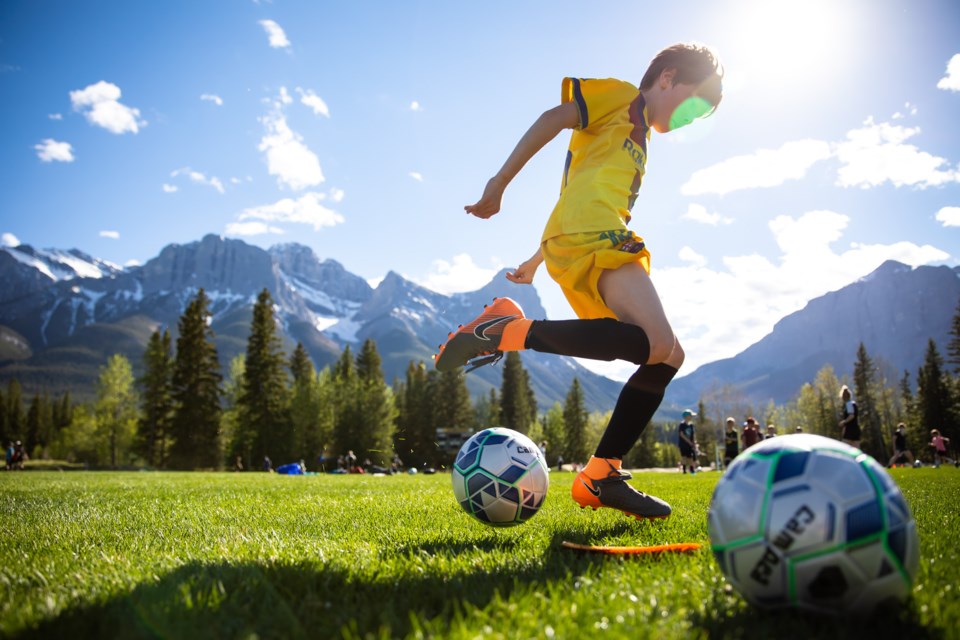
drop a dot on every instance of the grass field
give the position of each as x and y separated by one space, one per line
86 554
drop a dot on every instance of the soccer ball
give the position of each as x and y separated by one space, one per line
500 477
809 522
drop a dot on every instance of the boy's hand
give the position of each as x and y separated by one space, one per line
525 272
489 203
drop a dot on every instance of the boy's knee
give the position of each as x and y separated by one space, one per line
667 351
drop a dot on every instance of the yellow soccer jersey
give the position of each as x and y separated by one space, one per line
605 160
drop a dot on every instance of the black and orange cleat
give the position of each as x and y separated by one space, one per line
482 340
613 491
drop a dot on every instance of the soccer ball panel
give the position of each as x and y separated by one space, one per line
800 519
735 509
840 474
829 582
760 571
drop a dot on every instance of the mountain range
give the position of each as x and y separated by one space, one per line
63 313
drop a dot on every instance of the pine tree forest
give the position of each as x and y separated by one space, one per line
271 408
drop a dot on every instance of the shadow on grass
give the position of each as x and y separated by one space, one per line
230 600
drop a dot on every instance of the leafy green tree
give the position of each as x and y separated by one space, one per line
116 409
234 445
575 424
195 426
156 407
312 414
517 402
265 400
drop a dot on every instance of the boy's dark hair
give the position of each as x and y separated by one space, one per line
695 64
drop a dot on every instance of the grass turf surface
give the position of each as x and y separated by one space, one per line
237 555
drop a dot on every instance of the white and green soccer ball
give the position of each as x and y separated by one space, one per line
809 522
500 477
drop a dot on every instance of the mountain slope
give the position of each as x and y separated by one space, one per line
894 311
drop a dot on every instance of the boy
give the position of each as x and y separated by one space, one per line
601 266
849 418
687 441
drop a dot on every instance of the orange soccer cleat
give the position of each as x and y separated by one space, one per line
501 327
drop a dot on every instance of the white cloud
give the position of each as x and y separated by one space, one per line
251 229
307 209
416 176
50 150
951 81
170 188
55 116
415 106
9 240
876 153
698 213
763 168
198 178
462 274
315 102
115 235
337 195
717 312
210 97
949 216
288 158
101 105
278 39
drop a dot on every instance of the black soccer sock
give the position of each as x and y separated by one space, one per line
639 400
599 339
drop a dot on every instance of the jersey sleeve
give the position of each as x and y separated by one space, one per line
597 100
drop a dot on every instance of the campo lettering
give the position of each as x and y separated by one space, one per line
784 540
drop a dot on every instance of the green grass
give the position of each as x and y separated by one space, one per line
86 554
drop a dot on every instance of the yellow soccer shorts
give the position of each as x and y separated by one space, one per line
575 261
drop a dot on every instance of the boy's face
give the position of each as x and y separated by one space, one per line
679 106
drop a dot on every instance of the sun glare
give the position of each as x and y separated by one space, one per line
776 42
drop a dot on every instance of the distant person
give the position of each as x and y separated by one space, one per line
900 451
771 432
560 462
798 430
849 418
351 461
731 442
686 439
940 446
19 455
751 433
238 464
10 450
267 464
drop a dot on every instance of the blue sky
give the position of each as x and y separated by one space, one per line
361 129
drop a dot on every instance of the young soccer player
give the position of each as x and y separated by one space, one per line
602 267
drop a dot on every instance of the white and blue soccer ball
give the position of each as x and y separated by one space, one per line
809 522
500 477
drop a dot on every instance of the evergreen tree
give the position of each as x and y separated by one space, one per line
346 387
868 409
575 424
517 405
156 409
377 410
934 402
415 438
450 399
195 426
5 436
301 367
312 414
554 432
264 401
116 408
953 347
234 444
16 419
487 410
31 440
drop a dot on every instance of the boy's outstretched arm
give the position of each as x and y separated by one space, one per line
545 129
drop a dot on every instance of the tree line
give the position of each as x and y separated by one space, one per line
183 413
